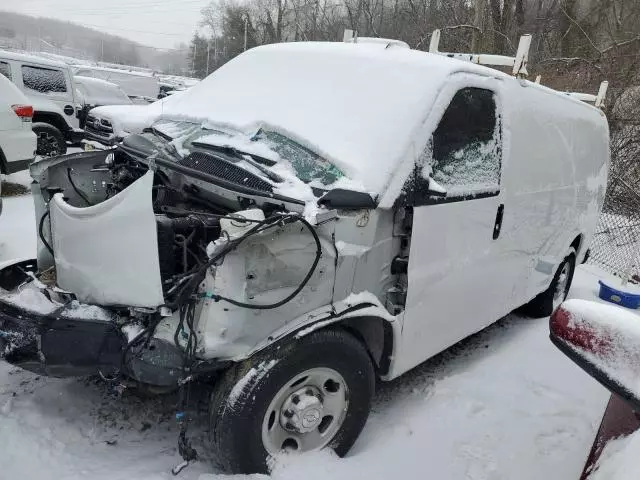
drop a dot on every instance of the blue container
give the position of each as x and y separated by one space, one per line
613 295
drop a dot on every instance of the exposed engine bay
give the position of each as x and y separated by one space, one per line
193 260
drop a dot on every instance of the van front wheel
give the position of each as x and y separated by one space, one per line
298 396
546 302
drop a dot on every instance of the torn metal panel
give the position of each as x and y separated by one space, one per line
107 254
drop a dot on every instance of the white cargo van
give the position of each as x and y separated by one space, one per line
306 220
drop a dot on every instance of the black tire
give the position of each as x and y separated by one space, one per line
51 142
236 428
542 305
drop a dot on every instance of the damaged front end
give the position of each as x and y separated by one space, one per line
159 267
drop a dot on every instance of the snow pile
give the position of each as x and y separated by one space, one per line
31 298
21 178
619 459
609 337
82 311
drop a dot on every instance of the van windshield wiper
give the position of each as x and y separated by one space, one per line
254 160
234 152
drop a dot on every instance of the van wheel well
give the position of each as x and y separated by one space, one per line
377 336
576 243
52 119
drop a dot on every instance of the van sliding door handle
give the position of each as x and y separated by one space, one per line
498 225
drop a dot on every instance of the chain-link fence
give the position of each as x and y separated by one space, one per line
616 243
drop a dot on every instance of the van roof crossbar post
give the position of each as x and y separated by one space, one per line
597 100
518 62
350 36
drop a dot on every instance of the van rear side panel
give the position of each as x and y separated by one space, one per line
554 179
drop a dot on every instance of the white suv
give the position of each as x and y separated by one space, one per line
17 140
51 91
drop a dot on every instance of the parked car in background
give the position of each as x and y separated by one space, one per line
51 91
170 84
17 140
94 92
108 125
141 87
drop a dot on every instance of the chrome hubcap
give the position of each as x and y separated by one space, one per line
306 413
302 410
561 286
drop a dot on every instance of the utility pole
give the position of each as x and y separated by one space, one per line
102 49
245 32
195 52
208 50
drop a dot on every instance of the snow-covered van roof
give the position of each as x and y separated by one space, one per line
360 106
22 57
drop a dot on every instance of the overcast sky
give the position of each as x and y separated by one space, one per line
159 23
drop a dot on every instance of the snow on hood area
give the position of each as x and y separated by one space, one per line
357 106
132 118
100 92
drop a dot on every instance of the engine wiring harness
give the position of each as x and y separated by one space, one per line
197 222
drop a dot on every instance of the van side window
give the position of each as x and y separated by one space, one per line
5 69
43 80
466 147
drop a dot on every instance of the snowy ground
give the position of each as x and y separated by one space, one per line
504 404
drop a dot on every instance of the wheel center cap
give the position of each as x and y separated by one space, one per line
310 418
302 411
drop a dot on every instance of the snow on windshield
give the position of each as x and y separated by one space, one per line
174 129
239 141
308 165
290 158
356 106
